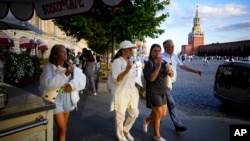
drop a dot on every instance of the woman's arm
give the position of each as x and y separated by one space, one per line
51 78
117 73
78 82
150 72
155 73
123 74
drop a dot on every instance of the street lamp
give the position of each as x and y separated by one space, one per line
35 43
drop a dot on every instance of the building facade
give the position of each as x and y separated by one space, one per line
237 48
51 35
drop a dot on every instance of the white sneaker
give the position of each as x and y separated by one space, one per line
145 126
129 137
159 139
94 94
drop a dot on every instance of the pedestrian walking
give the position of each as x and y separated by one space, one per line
77 59
155 72
169 56
65 80
83 59
90 72
70 55
125 96
98 61
206 61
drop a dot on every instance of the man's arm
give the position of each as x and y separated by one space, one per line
186 68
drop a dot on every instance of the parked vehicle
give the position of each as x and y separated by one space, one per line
232 83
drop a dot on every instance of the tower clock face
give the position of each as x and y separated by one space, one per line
198 29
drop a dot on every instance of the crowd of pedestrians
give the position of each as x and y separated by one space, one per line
158 97
67 74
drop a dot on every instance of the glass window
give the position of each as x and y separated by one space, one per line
241 74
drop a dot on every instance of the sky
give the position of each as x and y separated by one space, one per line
221 21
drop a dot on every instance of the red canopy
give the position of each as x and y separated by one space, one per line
24 42
5 39
42 46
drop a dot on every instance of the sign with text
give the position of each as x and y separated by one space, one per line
57 8
49 9
239 132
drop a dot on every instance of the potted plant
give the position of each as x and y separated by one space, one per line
18 66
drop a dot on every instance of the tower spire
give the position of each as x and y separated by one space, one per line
196 36
197 13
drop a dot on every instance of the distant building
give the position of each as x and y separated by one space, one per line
196 45
237 48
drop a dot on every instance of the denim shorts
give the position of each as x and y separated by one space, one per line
63 103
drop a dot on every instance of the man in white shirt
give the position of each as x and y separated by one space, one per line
169 56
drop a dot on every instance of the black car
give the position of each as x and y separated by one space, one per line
232 83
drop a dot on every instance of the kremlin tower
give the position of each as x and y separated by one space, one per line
195 37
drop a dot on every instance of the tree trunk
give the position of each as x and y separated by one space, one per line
107 59
113 44
113 47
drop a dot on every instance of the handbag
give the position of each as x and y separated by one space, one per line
51 95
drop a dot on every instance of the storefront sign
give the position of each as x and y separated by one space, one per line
57 8
48 9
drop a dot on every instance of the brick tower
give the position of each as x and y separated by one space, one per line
195 37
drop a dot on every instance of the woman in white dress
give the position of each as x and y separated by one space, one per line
125 96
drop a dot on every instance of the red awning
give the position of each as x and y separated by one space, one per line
42 46
24 42
5 39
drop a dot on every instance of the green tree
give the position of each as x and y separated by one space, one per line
103 26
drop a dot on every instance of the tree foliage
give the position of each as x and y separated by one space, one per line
103 26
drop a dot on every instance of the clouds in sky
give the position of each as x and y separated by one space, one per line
242 26
220 22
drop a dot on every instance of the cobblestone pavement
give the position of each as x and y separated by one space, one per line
194 94
195 103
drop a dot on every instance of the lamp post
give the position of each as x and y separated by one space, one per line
35 59
35 43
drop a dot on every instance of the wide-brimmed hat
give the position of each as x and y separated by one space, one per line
126 44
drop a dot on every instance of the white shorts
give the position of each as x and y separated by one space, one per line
63 103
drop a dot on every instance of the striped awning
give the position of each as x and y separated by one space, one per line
24 42
42 46
5 39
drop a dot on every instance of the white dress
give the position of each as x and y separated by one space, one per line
124 93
